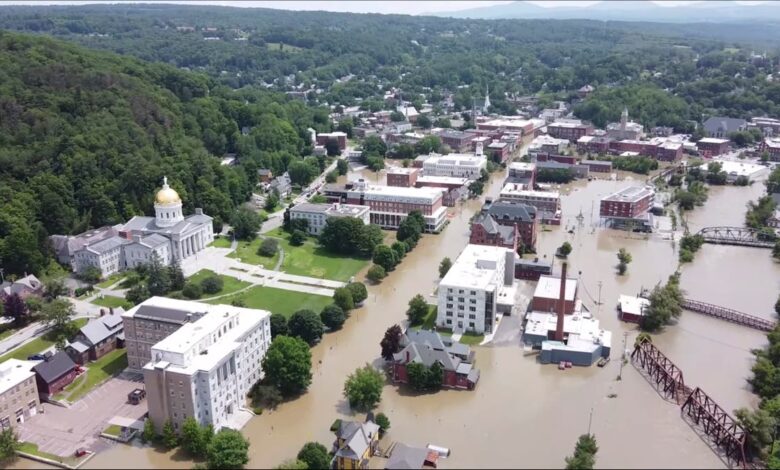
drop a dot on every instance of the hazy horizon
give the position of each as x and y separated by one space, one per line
385 7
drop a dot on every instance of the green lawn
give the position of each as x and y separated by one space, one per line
220 242
30 448
97 372
111 301
471 339
430 319
277 300
314 261
35 346
247 253
111 280
230 284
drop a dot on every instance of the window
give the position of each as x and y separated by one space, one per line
473 309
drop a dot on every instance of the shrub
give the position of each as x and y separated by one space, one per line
306 325
376 273
192 290
358 291
212 284
343 298
383 422
297 238
315 455
268 247
333 316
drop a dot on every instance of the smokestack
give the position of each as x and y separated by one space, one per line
561 305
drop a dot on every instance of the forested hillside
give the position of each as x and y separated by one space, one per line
86 137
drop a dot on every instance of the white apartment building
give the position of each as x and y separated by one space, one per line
478 286
458 165
317 214
206 367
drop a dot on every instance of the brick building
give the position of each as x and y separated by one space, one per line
486 231
547 295
711 147
516 214
391 204
339 137
458 141
570 129
402 177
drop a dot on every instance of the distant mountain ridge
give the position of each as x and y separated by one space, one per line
716 12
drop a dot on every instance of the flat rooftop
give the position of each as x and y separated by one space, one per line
459 159
568 124
428 193
713 140
517 190
630 194
443 180
549 287
476 267
632 305
739 168
584 333
522 166
13 372
398 170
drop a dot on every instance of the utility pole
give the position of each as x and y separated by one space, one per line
623 355
599 302
590 420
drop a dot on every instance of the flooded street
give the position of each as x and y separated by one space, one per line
523 414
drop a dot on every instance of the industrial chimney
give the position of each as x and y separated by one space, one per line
561 305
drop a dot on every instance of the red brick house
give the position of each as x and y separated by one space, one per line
486 231
54 374
427 348
516 214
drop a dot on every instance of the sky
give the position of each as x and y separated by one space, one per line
401 7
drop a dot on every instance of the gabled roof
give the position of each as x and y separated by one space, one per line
357 437
407 457
99 329
725 124
57 366
492 227
107 244
505 209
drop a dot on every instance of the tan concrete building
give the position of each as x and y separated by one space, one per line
18 393
206 368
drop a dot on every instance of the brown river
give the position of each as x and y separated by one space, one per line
523 414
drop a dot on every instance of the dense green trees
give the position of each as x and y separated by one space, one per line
246 223
624 258
9 444
314 455
425 378
350 236
228 450
376 273
363 388
307 325
287 365
418 310
665 305
333 317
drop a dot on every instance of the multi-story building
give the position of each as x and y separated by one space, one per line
97 338
625 129
458 165
669 151
389 205
597 166
593 144
521 173
339 137
507 124
458 141
150 322
768 126
642 147
498 151
771 147
549 201
486 231
403 177
474 290
427 348
455 188
547 144
515 214
722 127
205 369
629 206
317 214
18 393
547 295
712 147
570 129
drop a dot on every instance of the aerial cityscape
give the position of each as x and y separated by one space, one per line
389 235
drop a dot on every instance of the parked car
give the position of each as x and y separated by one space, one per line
36 357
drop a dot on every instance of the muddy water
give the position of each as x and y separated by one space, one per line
523 414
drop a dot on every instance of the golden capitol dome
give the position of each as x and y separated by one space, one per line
167 195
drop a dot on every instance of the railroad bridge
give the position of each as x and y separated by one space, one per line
721 428
740 236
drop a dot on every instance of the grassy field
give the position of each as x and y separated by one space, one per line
113 430
111 301
247 253
111 280
30 448
229 284
314 261
35 346
277 300
472 339
97 372
220 242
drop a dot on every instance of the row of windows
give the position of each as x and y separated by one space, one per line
462 307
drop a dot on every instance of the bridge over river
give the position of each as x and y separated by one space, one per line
740 236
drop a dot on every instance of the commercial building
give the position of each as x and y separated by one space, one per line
547 203
547 295
478 286
403 177
597 166
458 141
457 165
711 147
735 169
570 129
593 144
389 205
721 127
768 126
669 151
521 173
771 147
455 188
515 214
18 393
339 137
547 144
318 214
205 369
632 309
427 348
498 151
507 124
647 148
532 269
629 206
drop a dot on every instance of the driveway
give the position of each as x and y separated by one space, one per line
61 431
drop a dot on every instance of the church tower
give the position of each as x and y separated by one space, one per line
624 119
167 206
487 100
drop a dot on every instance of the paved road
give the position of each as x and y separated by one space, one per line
34 330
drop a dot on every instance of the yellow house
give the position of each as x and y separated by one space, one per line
355 444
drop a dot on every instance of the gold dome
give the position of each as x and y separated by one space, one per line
167 195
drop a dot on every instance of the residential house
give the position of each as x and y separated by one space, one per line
427 348
264 175
97 338
24 287
54 373
282 185
406 457
355 444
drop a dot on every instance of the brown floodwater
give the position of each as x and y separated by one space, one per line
523 414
